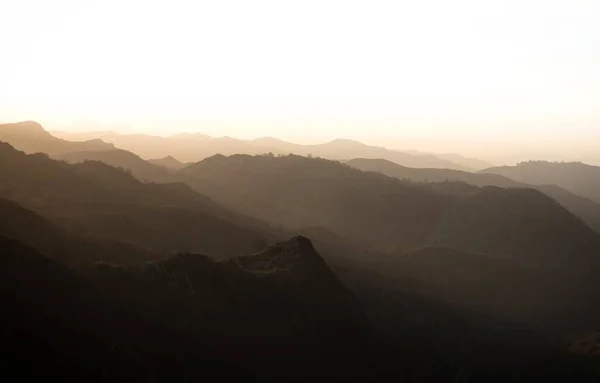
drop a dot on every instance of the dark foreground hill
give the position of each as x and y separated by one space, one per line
278 315
180 319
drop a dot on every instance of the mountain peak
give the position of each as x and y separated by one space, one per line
345 141
297 252
24 127
268 141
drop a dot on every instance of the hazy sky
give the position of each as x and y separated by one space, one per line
441 75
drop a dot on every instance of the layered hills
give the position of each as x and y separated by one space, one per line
290 268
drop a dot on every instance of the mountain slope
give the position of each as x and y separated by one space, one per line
168 162
300 192
578 178
55 242
141 169
31 137
282 305
103 201
582 207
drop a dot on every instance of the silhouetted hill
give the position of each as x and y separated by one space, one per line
169 163
142 170
238 313
518 222
391 216
31 137
55 242
285 291
578 178
392 169
95 199
582 207
469 163
299 192
58 326
185 317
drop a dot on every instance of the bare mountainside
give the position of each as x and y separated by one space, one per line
577 177
299 192
107 202
585 208
194 147
31 137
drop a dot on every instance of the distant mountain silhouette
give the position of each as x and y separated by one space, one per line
31 137
69 248
578 178
469 163
142 170
194 147
169 163
582 207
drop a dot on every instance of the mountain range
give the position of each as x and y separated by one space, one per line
283 267
195 147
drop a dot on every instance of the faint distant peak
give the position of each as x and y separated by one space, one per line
168 162
345 141
268 141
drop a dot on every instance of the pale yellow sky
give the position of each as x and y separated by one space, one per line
440 75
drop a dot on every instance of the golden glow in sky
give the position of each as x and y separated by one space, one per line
386 72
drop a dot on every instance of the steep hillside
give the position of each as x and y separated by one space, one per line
578 178
141 169
300 192
588 210
392 169
31 137
55 242
517 222
98 200
169 163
